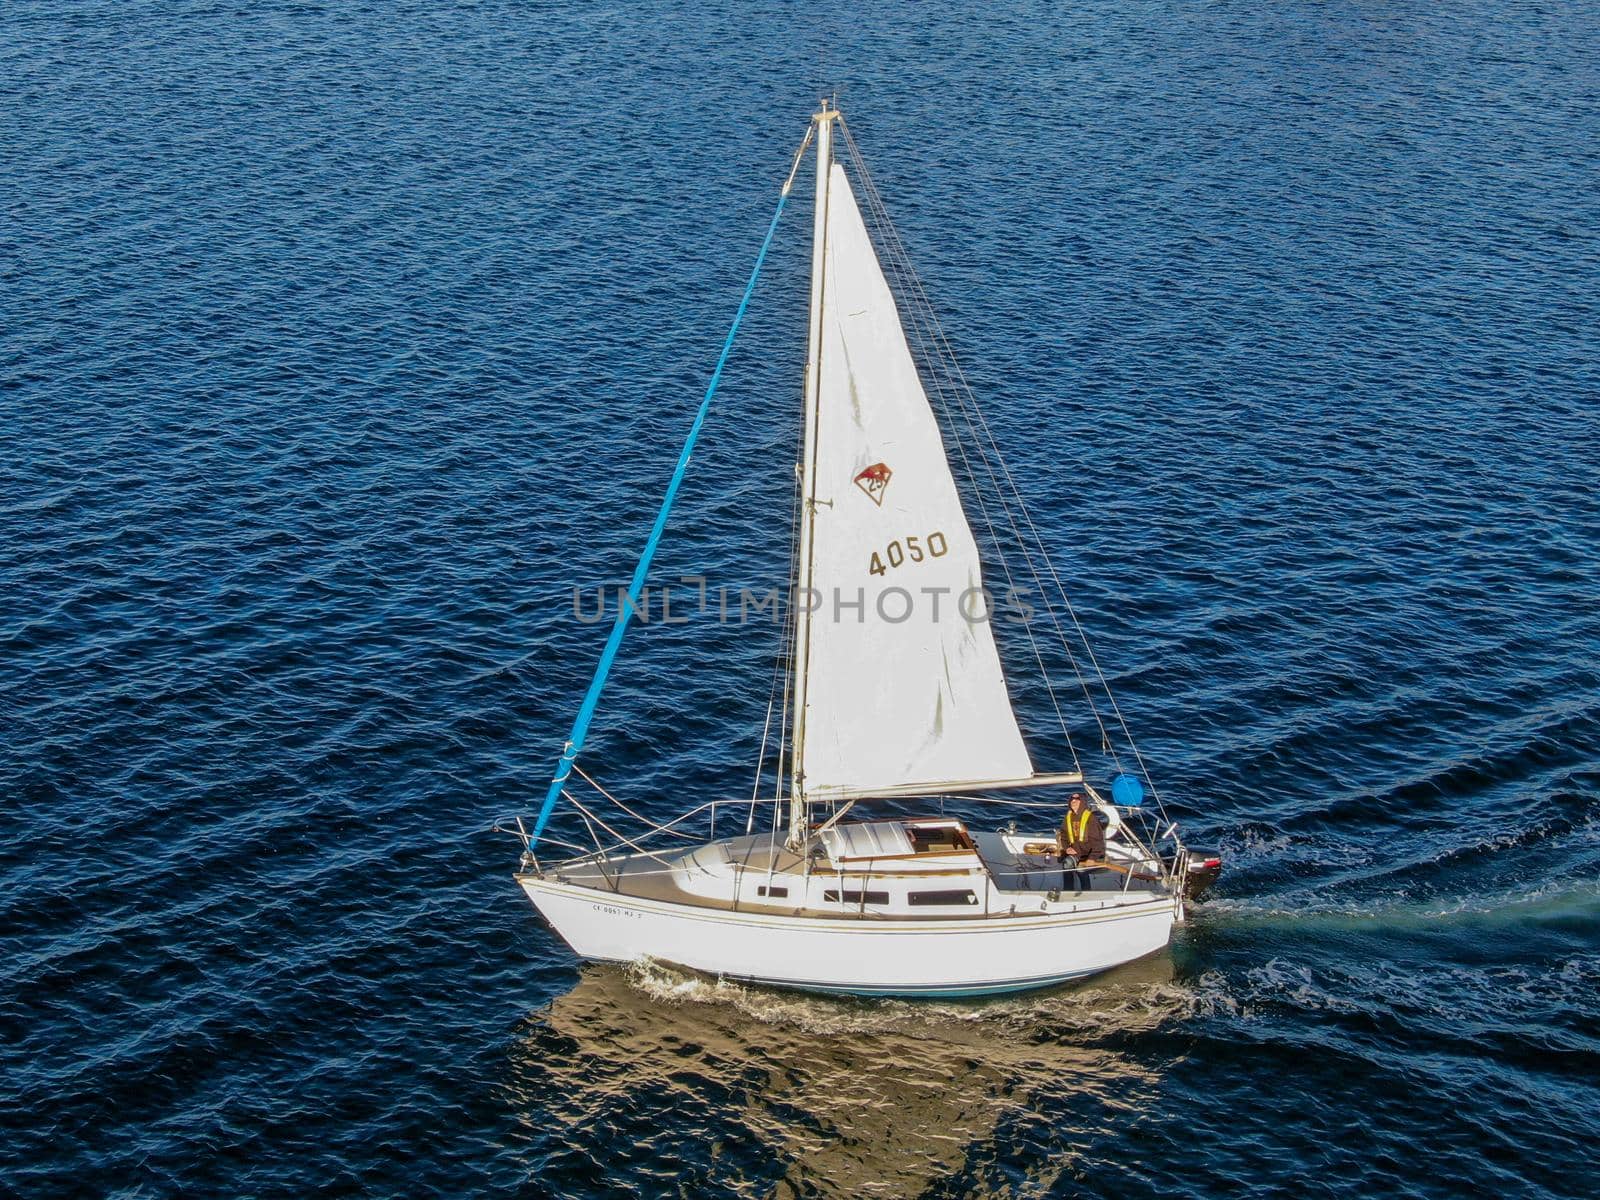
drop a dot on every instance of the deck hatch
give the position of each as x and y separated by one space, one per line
867 839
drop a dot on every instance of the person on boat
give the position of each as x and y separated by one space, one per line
1081 836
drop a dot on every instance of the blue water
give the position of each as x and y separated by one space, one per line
339 341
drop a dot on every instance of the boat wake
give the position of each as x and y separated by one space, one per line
1534 860
1555 900
1140 996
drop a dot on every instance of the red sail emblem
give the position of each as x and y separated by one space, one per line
874 481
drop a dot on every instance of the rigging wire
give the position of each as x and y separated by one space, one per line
937 353
791 633
944 356
591 699
899 268
784 659
761 754
899 265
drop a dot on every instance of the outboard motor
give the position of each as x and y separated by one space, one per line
1197 869
1200 871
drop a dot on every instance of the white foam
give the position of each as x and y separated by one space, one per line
1142 996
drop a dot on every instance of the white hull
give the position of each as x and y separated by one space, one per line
959 957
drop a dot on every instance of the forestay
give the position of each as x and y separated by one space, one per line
904 685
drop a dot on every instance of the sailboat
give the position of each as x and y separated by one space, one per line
893 692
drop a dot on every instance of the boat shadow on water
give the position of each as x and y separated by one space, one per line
650 1072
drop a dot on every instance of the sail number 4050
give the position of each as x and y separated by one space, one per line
910 549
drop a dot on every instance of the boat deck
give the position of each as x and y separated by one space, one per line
758 861
655 876
1013 872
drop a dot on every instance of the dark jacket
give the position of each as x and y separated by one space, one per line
1084 839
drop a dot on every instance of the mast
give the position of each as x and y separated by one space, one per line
802 594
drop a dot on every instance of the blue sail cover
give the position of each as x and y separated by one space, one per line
591 699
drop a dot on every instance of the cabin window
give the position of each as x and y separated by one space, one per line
776 893
960 896
832 896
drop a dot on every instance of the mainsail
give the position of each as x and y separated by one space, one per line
904 688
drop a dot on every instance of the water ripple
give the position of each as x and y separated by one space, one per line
339 342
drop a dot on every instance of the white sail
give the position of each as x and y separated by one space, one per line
903 688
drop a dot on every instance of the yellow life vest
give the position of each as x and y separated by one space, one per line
1075 834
